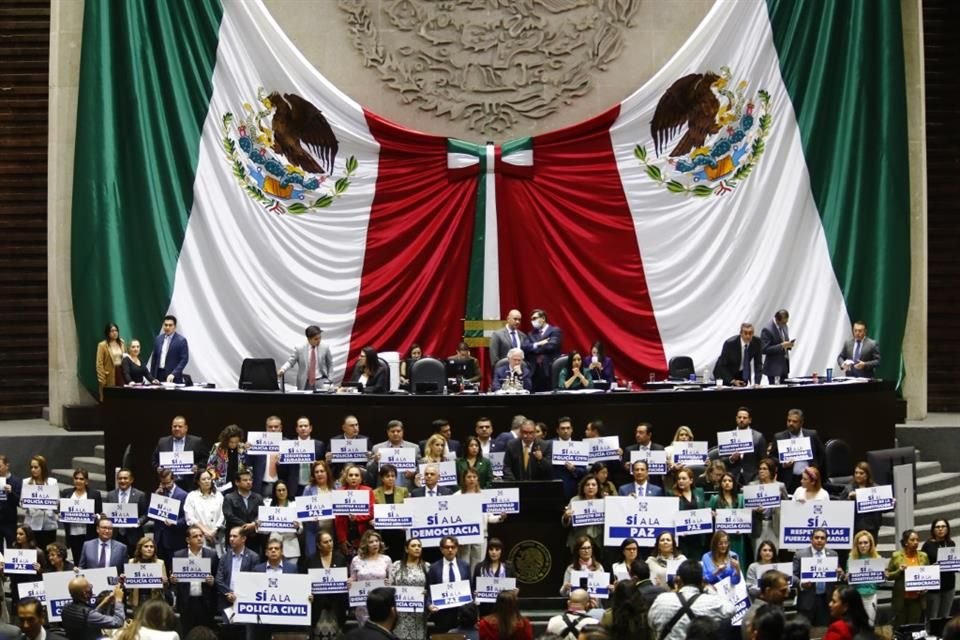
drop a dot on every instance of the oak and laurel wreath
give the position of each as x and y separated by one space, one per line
267 202
743 171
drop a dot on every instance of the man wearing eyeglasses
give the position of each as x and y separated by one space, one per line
448 569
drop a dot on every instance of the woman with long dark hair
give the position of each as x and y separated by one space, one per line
940 601
598 364
109 358
574 376
42 522
729 497
228 457
720 561
493 565
863 478
850 618
77 534
331 608
321 481
370 372
410 571
25 538
506 623
471 457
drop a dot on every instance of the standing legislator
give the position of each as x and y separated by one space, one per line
860 355
510 337
541 348
776 343
738 353
170 353
313 360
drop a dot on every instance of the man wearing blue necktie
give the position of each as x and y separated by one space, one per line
738 355
860 356
813 598
510 337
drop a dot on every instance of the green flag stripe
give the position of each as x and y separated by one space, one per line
473 309
146 77
842 63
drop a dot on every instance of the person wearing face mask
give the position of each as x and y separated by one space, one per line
541 348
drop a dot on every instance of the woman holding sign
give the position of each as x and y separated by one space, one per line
730 497
331 607
766 523
146 553
583 560
691 498
908 606
589 489
411 571
203 508
811 486
471 457
492 566
25 539
350 528
666 552
321 481
863 478
864 547
77 534
228 457
472 554
682 434
370 563
43 522
940 601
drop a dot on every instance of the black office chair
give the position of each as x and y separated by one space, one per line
680 368
839 462
258 374
428 375
558 365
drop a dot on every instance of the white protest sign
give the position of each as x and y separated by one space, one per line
352 450
690 452
163 508
359 589
33 590
734 520
447 469
948 559
656 460
180 463
496 463
77 510
351 502
56 583
795 449
786 568
277 519
866 570
20 562
497 501
269 598
762 496
392 516
642 519
736 441
40 496
143 575
403 458
191 569
921 578
818 569
737 595
122 515
597 582
261 443
332 580
871 499
586 512
298 451
489 588
600 449
318 506
573 451
434 518
410 599
450 595
798 520
694 521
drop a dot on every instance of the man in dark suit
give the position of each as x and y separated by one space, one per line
510 337
103 551
643 441
860 355
738 353
274 560
170 353
11 486
181 440
776 343
567 473
170 537
790 472
238 558
448 569
525 457
241 507
515 370
430 488
196 601
640 487
541 348
505 438
451 446
813 598
32 620
298 474
744 466
267 470
382 609
126 493
483 428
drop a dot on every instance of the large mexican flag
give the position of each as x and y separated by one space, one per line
221 178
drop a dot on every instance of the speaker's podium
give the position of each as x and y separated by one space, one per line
534 541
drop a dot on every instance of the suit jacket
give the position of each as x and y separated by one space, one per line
370 631
746 468
729 364
8 507
540 358
657 480
502 440
436 574
142 500
286 566
500 344
421 492
288 473
90 555
513 462
652 490
807 597
169 538
776 362
869 356
377 384
248 560
570 479
300 356
178 355
503 372
191 443
235 513
819 454
207 592
97 508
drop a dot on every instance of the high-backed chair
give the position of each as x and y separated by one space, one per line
258 374
558 365
680 367
427 375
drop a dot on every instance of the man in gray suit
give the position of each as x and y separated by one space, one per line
507 338
813 598
313 360
861 355
776 344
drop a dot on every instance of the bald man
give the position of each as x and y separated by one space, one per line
507 338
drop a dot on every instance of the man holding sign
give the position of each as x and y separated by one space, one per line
794 469
813 599
196 594
445 571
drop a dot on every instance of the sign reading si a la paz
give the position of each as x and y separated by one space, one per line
434 518
642 519
273 599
